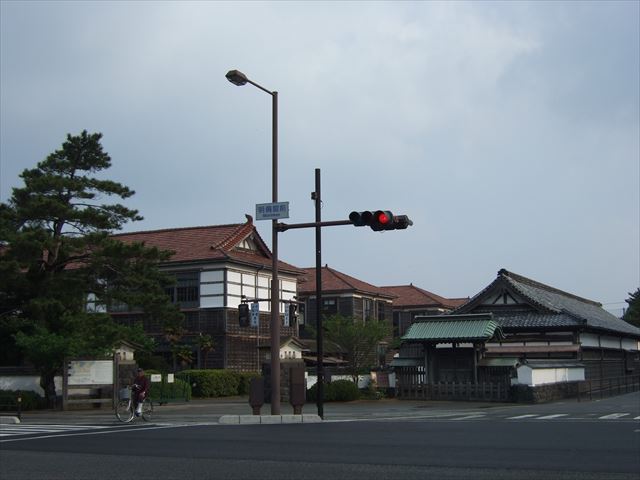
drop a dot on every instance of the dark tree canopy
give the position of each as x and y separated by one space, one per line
358 339
56 252
632 314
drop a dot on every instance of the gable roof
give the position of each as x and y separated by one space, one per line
554 307
214 243
334 282
412 296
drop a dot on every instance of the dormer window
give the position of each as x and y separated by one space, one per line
248 244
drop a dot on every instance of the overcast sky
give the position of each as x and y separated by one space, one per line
508 132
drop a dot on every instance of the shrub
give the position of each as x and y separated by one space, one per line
30 400
337 391
344 391
217 383
245 382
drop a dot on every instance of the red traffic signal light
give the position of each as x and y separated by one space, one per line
379 220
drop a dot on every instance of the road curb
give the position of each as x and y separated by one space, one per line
267 419
5 420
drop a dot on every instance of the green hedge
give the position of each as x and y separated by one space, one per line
179 389
30 400
217 383
338 391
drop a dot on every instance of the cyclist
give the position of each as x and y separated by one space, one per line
140 390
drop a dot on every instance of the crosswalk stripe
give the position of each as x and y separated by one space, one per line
613 416
22 429
549 417
521 416
470 417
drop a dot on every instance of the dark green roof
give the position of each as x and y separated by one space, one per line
452 328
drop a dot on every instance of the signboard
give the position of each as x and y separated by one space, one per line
90 372
170 378
272 211
255 314
156 377
286 316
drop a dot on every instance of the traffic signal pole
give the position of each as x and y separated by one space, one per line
319 337
372 220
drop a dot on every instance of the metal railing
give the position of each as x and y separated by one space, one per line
15 406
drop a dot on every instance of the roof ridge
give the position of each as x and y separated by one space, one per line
341 275
200 227
533 283
433 296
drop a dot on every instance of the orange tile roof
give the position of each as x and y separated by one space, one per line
412 296
208 243
334 281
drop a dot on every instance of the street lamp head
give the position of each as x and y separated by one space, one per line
236 77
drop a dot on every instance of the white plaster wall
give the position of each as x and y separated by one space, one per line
542 376
27 383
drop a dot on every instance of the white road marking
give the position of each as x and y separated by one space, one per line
470 417
551 417
117 429
613 416
521 416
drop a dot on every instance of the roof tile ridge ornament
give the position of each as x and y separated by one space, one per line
533 283
241 232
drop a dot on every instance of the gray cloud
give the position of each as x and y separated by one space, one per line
507 131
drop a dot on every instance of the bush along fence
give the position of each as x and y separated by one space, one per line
217 383
14 402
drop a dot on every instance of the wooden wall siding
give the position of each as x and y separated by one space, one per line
358 308
388 312
345 306
454 365
209 321
215 358
601 364
242 354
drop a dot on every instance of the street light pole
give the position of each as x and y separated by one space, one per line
238 78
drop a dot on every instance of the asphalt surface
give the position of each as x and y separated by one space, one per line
209 411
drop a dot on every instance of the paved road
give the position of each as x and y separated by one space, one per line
627 407
404 440
375 450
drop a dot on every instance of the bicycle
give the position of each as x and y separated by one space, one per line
125 409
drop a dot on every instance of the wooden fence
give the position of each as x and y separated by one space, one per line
607 387
410 386
486 392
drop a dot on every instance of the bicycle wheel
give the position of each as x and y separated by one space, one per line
124 412
147 410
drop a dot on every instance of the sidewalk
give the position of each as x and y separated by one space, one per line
212 410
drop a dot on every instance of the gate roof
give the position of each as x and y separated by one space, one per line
452 328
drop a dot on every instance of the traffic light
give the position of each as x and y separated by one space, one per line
380 220
243 314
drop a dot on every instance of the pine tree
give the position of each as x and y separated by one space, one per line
56 252
632 315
